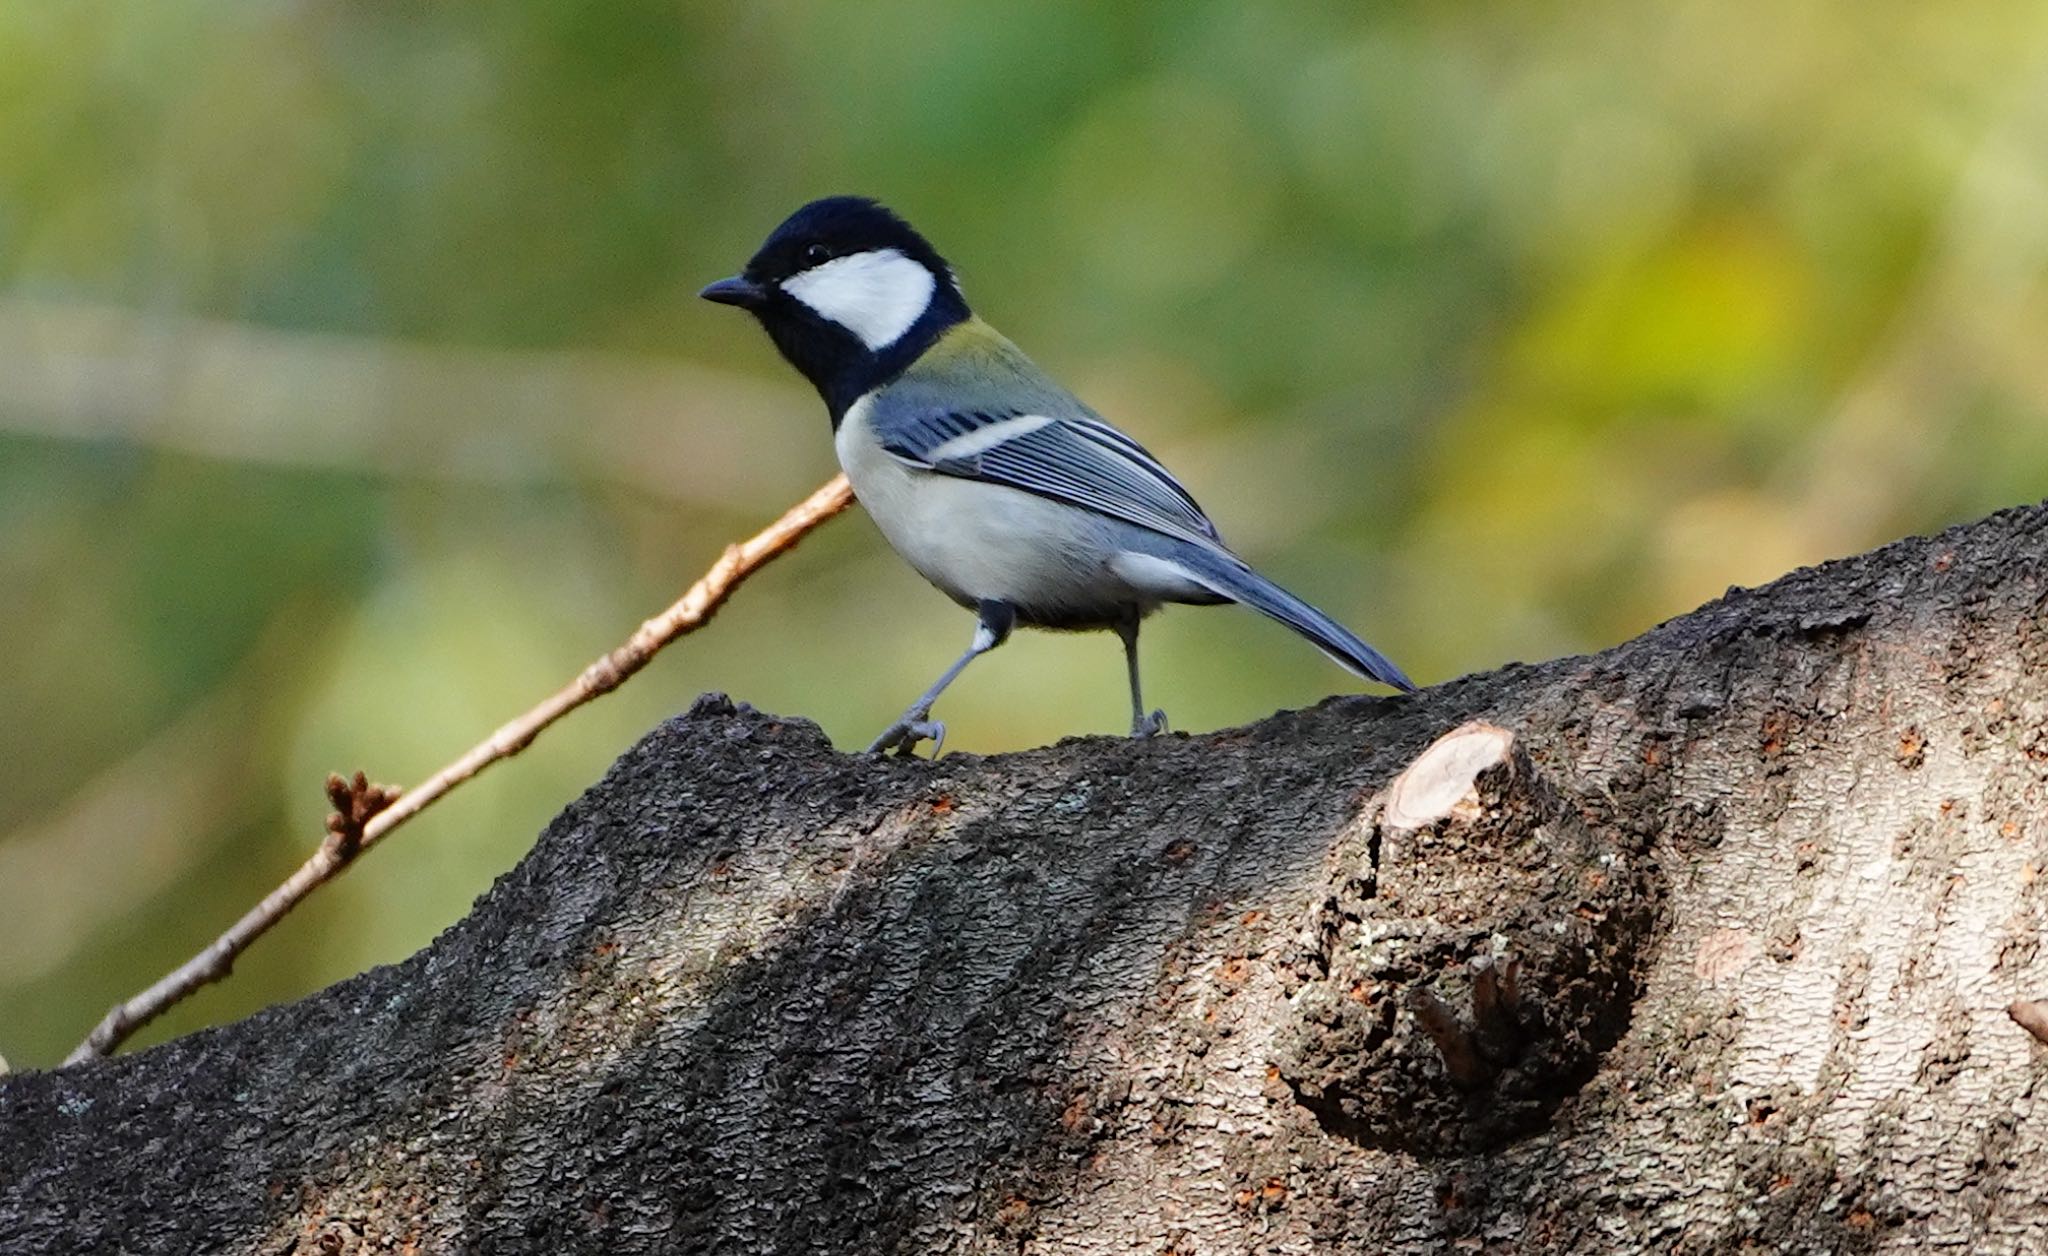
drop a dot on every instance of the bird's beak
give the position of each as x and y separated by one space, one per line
738 290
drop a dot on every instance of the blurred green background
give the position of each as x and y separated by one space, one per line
353 392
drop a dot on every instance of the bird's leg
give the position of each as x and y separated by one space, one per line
916 724
1142 725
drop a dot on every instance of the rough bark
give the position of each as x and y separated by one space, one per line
1715 949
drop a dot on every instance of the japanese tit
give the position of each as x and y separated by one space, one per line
999 486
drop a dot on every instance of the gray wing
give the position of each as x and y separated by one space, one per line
1077 459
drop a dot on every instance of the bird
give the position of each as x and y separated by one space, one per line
995 483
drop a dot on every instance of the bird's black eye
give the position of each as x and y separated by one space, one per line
815 253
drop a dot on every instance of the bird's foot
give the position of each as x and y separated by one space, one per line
902 736
1151 726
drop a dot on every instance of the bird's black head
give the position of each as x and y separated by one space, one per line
849 292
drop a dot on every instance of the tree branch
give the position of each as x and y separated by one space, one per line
365 814
1720 932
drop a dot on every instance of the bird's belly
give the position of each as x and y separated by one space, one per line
979 541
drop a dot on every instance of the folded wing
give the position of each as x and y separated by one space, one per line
1079 460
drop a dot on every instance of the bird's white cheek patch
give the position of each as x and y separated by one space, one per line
875 295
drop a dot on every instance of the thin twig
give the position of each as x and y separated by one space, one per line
365 813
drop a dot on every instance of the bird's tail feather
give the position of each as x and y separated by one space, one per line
1228 577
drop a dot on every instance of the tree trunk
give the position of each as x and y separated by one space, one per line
1703 942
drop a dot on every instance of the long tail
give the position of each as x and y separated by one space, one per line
1230 578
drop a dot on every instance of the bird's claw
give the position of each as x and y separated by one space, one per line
1151 726
902 736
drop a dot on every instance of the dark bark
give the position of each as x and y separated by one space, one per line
1719 951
